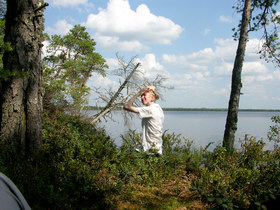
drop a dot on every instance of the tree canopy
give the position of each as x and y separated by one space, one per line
69 63
264 17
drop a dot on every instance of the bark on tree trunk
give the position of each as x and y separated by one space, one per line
232 116
21 95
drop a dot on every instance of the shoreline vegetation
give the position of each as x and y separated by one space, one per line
199 109
80 167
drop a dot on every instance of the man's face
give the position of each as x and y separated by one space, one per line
147 98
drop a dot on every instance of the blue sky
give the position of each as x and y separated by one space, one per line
188 41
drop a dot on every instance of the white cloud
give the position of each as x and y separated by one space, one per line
149 62
206 31
225 49
122 24
61 28
254 89
200 75
96 80
193 62
222 91
66 3
111 42
44 48
220 60
262 78
209 70
113 63
183 82
254 68
225 19
276 74
150 67
252 49
223 69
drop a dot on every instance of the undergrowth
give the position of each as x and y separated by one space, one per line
248 178
80 167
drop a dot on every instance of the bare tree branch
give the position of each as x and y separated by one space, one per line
110 105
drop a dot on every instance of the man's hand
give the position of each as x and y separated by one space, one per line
151 88
147 88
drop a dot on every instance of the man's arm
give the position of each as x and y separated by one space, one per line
129 104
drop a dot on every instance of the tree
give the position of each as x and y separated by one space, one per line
113 103
131 79
256 14
69 64
232 117
21 88
268 20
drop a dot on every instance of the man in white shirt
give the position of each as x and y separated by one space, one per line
152 118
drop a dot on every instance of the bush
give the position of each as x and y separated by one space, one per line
138 167
246 178
71 170
80 167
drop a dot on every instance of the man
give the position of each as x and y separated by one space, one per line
152 118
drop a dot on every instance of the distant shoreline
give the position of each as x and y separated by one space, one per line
220 109
200 109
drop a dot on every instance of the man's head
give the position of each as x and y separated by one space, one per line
149 97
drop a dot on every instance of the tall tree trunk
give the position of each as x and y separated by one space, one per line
232 116
21 93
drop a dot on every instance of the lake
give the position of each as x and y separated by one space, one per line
202 127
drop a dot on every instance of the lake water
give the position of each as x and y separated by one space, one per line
202 127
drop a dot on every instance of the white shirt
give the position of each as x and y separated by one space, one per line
152 122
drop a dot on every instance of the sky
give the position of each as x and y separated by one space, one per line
188 41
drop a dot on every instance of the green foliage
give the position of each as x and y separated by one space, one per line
2 8
80 167
264 16
274 133
138 167
3 45
243 179
179 153
71 170
69 64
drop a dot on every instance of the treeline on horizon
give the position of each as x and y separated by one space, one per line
198 109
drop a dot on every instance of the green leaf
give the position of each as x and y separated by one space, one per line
210 199
219 201
257 203
225 206
263 207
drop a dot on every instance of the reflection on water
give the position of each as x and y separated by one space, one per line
201 127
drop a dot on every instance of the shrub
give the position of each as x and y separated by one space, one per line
138 167
274 133
246 178
71 170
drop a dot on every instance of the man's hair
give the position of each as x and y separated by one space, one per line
155 94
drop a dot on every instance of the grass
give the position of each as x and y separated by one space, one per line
173 193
